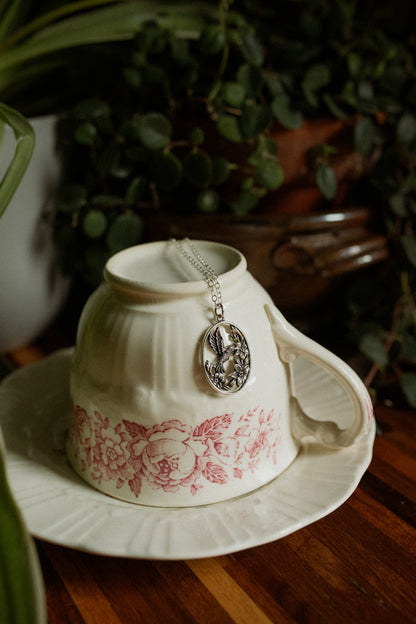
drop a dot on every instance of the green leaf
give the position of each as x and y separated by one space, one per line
133 77
197 168
71 198
252 49
365 136
274 84
20 601
229 127
409 347
25 143
326 181
250 78
212 40
208 201
317 77
245 202
155 131
86 133
397 203
408 386
354 64
197 136
135 190
270 174
409 247
126 230
282 110
373 347
406 128
167 171
333 107
233 93
255 120
91 108
94 224
220 170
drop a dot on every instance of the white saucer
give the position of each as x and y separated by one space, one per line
59 507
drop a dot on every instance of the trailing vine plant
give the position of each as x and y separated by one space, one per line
179 120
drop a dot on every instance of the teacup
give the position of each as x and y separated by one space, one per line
149 427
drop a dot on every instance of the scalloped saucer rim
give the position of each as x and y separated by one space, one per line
71 513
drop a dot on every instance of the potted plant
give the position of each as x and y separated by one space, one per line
188 128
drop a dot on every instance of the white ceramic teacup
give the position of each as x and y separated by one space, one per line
147 425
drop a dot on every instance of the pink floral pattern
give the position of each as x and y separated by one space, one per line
174 455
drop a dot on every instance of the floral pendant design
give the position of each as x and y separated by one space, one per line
226 357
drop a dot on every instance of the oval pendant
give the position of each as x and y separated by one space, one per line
226 357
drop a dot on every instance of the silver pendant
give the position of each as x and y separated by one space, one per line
226 357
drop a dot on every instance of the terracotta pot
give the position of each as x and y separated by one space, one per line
299 193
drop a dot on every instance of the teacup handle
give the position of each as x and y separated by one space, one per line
291 343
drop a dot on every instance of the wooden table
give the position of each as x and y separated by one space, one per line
356 565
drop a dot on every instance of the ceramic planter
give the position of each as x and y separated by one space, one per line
31 284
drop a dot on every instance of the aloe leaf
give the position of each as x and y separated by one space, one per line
106 24
11 14
25 143
21 588
46 18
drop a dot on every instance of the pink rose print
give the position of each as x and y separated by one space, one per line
173 455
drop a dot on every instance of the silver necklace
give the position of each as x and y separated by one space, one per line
225 353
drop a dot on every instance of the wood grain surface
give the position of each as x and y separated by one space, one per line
356 565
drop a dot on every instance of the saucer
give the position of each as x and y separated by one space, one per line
61 508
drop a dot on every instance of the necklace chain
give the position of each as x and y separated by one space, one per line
208 273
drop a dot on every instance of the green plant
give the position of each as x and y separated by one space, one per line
179 119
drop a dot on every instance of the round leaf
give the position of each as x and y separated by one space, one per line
250 78
326 181
317 77
126 230
270 174
251 49
94 224
229 127
365 135
406 128
197 136
255 120
135 190
283 112
220 170
245 202
197 168
408 385
92 108
86 133
372 346
208 201
167 171
233 93
212 40
155 131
